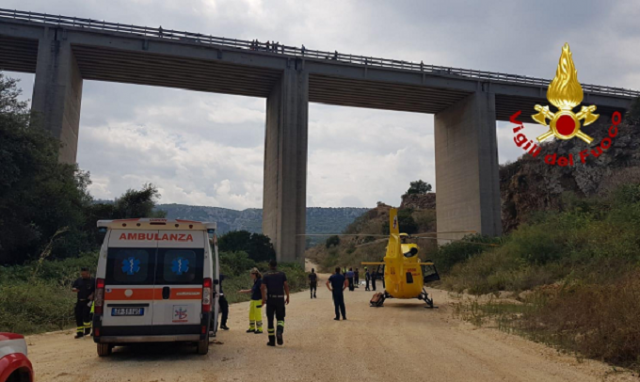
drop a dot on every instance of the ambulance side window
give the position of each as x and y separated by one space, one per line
181 266
130 266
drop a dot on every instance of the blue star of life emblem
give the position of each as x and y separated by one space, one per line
180 266
130 266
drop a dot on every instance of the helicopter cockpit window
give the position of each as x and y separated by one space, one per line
412 252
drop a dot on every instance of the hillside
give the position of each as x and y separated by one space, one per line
530 184
319 220
416 214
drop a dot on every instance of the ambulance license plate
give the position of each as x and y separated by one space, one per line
127 311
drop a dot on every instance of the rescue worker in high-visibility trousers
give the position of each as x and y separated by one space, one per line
85 287
275 293
255 308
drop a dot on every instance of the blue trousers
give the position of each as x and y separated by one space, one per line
338 302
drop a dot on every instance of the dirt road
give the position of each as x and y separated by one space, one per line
401 342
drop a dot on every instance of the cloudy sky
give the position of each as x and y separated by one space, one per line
207 149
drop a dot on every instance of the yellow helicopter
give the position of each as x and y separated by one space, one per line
404 277
403 274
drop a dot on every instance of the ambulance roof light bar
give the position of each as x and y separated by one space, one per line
147 223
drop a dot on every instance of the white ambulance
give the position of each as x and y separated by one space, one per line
157 281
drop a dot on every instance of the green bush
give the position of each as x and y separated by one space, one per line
32 307
37 297
332 241
257 246
592 240
235 263
448 255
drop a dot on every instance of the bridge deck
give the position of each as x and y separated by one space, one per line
150 56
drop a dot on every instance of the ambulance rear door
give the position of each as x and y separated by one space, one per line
130 278
179 278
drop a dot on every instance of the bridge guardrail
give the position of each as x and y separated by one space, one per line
169 34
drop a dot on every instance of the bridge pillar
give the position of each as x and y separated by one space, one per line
467 178
57 91
285 166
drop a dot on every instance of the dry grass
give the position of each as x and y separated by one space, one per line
589 320
597 321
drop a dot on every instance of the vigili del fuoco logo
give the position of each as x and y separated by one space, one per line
565 93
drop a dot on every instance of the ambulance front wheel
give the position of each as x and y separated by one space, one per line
104 350
203 346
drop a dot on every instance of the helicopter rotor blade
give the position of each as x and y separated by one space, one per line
371 242
439 232
457 241
343 234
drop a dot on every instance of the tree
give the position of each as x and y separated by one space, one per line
332 241
405 221
132 204
45 205
38 195
257 246
418 187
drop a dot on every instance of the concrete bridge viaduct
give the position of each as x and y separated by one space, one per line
64 51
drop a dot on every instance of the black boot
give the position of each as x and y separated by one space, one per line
280 340
272 341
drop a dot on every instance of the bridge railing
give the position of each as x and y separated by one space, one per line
169 34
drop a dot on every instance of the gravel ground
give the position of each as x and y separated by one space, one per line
401 342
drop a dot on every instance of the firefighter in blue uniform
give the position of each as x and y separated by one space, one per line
275 293
85 287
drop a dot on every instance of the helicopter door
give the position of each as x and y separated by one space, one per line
409 278
430 273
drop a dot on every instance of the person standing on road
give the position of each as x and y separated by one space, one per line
367 278
356 278
313 283
255 308
337 283
275 293
350 279
374 275
224 306
85 287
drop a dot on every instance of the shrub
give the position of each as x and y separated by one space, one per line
419 187
598 321
235 263
332 241
448 255
32 307
257 246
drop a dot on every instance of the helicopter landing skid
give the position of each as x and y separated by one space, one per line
424 296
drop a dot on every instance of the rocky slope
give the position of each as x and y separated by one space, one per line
531 184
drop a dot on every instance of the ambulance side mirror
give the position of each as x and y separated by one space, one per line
216 282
